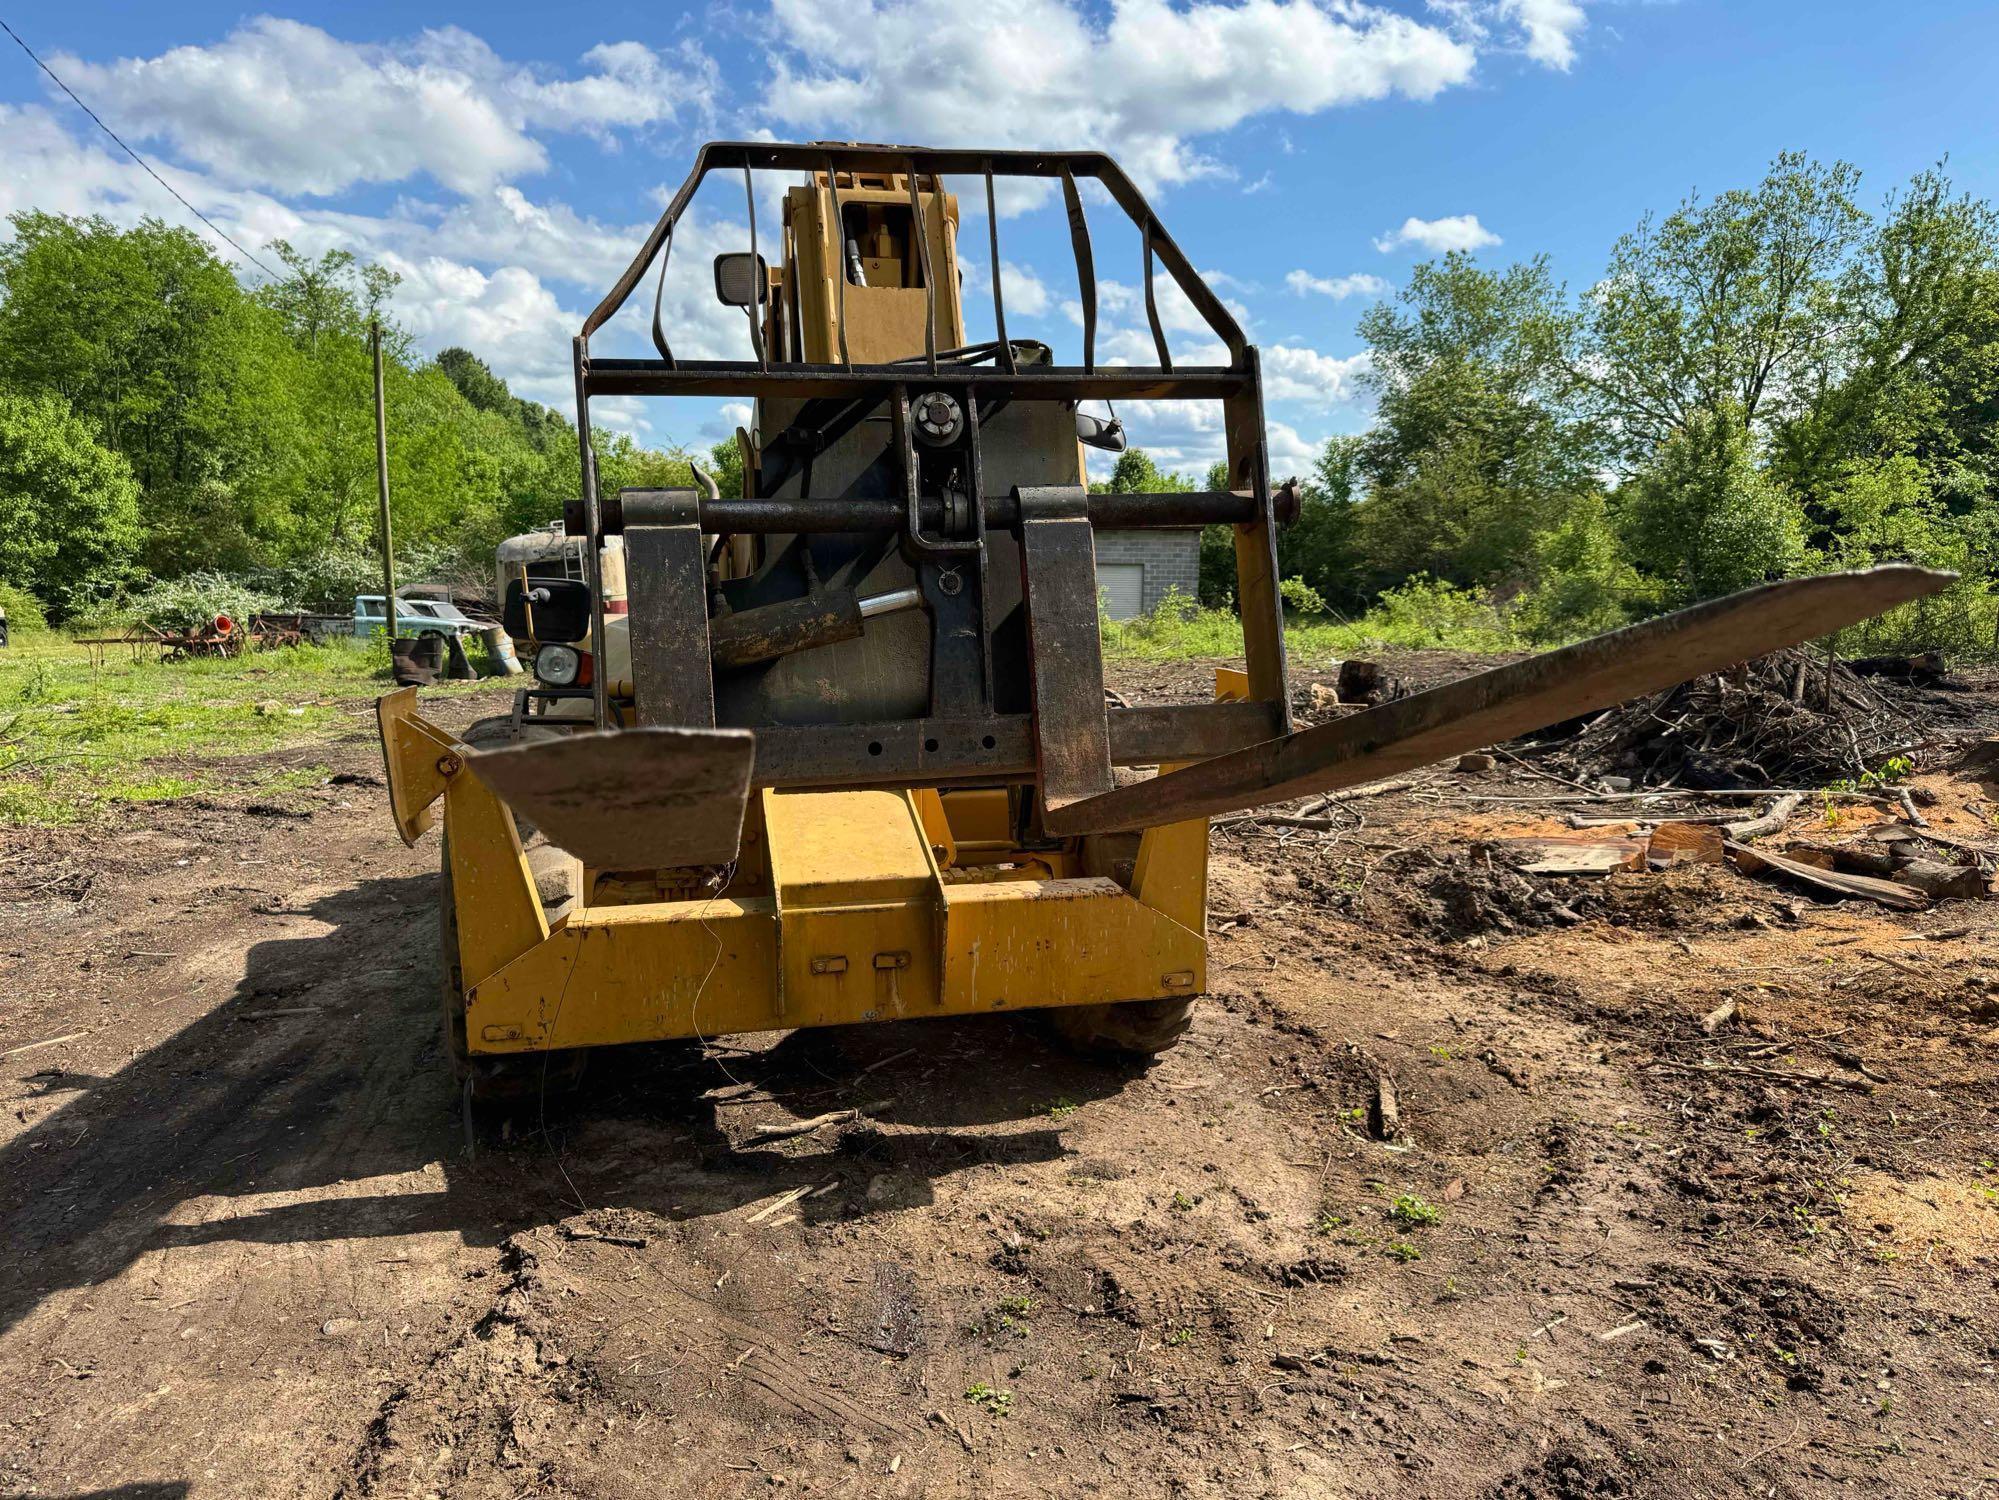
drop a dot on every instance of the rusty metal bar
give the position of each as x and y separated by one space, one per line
741 379
1086 268
757 265
1167 509
592 524
659 295
1152 303
921 230
999 301
839 260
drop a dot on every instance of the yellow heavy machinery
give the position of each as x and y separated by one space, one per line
847 755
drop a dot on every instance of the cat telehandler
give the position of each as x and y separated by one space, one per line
837 749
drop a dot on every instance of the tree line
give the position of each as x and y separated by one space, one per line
1774 380
158 419
1769 382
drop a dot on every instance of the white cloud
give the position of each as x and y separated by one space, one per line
1458 232
1025 292
1339 288
1144 82
1292 372
1548 29
1186 437
286 106
1289 453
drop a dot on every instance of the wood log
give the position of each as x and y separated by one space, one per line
1686 843
1387 1112
1772 818
1942 882
1360 681
1855 859
1887 892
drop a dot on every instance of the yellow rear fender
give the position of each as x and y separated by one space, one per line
500 915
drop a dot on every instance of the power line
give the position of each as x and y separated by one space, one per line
138 158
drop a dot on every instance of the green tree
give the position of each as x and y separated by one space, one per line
1919 370
1724 304
1704 518
1474 453
69 512
146 335
1135 473
1319 547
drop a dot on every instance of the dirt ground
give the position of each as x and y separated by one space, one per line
250 1248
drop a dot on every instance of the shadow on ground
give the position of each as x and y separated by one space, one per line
272 1099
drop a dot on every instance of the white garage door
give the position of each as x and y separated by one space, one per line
1122 586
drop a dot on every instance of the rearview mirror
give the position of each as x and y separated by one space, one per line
740 279
546 609
1099 432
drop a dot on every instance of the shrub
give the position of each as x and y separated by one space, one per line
22 609
190 602
1301 598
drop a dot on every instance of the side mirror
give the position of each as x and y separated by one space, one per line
1098 432
740 279
547 609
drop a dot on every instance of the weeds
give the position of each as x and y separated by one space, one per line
998 1402
1413 1211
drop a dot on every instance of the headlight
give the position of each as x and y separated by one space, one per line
558 666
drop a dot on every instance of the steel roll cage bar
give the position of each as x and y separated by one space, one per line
1238 383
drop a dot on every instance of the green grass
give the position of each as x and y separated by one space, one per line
1420 615
78 740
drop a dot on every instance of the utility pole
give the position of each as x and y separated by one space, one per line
382 480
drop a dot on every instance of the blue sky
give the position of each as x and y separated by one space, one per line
1306 153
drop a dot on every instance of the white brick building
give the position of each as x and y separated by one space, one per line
1137 569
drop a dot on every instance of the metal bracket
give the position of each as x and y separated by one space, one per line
1058 564
666 569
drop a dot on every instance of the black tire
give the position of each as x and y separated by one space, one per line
1125 1028
520 1078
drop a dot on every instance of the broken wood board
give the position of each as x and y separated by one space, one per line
1587 859
1887 892
1560 854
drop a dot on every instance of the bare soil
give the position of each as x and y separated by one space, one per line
251 1248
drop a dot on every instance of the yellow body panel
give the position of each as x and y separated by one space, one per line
842 913
886 317
499 914
834 847
702 968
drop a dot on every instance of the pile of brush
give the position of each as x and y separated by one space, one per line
1795 718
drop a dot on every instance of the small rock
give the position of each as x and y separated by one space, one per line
1615 783
1476 760
336 1328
